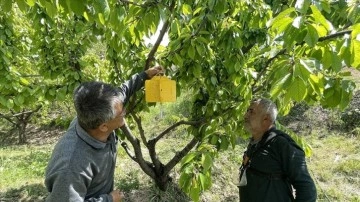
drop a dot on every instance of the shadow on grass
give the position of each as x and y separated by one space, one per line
26 193
154 194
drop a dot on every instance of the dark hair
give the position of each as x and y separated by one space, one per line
95 103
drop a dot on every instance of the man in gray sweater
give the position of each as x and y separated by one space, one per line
82 164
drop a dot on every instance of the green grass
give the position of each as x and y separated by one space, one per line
22 170
335 166
21 165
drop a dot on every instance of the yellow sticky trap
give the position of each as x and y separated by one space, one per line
160 89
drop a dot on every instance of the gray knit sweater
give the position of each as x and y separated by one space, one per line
81 168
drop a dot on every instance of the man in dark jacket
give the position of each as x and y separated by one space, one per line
82 164
274 167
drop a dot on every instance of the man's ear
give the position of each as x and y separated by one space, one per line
103 127
267 118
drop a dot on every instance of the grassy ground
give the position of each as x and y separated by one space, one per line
334 165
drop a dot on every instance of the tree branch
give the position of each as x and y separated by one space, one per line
182 122
7 118
145 166
127 150
152 143
177 158
154 158
151 56
335 35
25 114
141 129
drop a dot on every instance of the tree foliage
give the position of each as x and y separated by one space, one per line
226 52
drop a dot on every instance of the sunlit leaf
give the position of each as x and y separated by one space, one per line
279 86
188 158
319 18
297 89
312 36
278 20
186 9
31 2
355 52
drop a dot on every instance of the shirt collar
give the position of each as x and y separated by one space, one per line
89 139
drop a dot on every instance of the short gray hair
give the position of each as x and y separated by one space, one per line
268 106
95 103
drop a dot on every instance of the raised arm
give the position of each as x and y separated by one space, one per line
134 84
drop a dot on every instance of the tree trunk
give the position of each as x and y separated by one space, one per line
22 133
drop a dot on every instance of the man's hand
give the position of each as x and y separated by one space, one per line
117 195
154 71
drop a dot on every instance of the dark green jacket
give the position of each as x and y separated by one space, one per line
275 165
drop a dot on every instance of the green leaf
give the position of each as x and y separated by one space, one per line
214 139
290 35
327 60
22 5
355 52
188 158
278 21
281 24
50 9
345 52
319 18
297 89
191 52
221 6
224 143
184 180
279 86
214 80
312 36
10 104
308 151
200 49
20 100
332 97
195 192
6 5
355 46
24 81
178 59
77 6
302 6
335 62
102 9
202 179
186 9
206 161
31 2
316 84
197 70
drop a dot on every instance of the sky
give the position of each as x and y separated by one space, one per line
153 38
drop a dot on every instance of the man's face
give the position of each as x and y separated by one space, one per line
254 118
119 120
